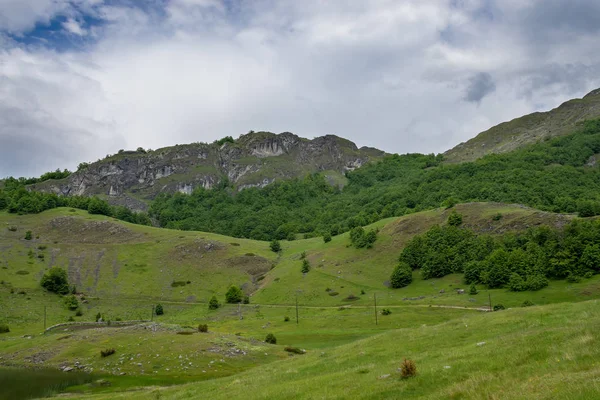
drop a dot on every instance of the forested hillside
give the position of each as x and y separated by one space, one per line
556 175
553 175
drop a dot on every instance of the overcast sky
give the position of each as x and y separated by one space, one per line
80 79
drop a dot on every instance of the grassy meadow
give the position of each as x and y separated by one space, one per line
123 270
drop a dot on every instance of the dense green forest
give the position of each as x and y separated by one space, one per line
521 261
551 175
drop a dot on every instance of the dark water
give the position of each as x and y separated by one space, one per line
28 383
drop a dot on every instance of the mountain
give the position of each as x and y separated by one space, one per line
255 159
528 129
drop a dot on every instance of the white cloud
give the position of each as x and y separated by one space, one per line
74 27
383 73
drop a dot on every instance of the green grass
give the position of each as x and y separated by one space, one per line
125 269
535 353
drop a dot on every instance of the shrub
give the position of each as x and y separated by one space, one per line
177 283
402 276
213 304
527 303
4 328
79 313
22 272
295 350
275 246
28 235
71 319
455 219
333 293
158 310
516 283
386 311
359 238
536 282
588 275
408 368
303 255
327 238
203 328
352 297
362 291
71 302
246 299
499 307
473 290
107 352
42 247
234 294
12 228
286 319
98 317
573 278
55 280
271 339
305 266
497 217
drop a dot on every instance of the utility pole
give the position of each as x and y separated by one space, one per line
490 297
296 309
152 314
375 300
44 318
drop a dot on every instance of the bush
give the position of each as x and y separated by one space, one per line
327 238
158 310
473 290
71 319
177 283
408 368
516 283
271 339
499 307
303 255
402 276
55 280
107 352
79 313
305 266
527 303
275 246
71 302
28 235
295 350
455 219
352 297
497 217
573 278
234 294
386 311
12 228
333 293
588 275
286 319
362 291
246 299
98 317
213 304
4 328
536 282
359 238
203 328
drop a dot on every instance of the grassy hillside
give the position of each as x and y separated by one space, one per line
535 353
124 269
528 129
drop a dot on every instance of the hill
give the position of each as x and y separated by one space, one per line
131 178
528 129
534 353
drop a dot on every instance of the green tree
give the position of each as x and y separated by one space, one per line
71 302
234 294
158 310
401 276
98 206
28 235
473 290
455 219
275 246
213 304
590 258
305 266
55 280
327 238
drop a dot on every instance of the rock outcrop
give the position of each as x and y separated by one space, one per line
130 178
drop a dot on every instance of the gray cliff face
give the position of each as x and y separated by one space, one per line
254 160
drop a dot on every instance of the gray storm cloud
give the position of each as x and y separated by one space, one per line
410 76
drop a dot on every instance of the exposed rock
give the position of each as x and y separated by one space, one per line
254 160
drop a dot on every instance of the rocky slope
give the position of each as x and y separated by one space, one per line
528 129
255 159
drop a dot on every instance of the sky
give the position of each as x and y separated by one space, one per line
80 79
